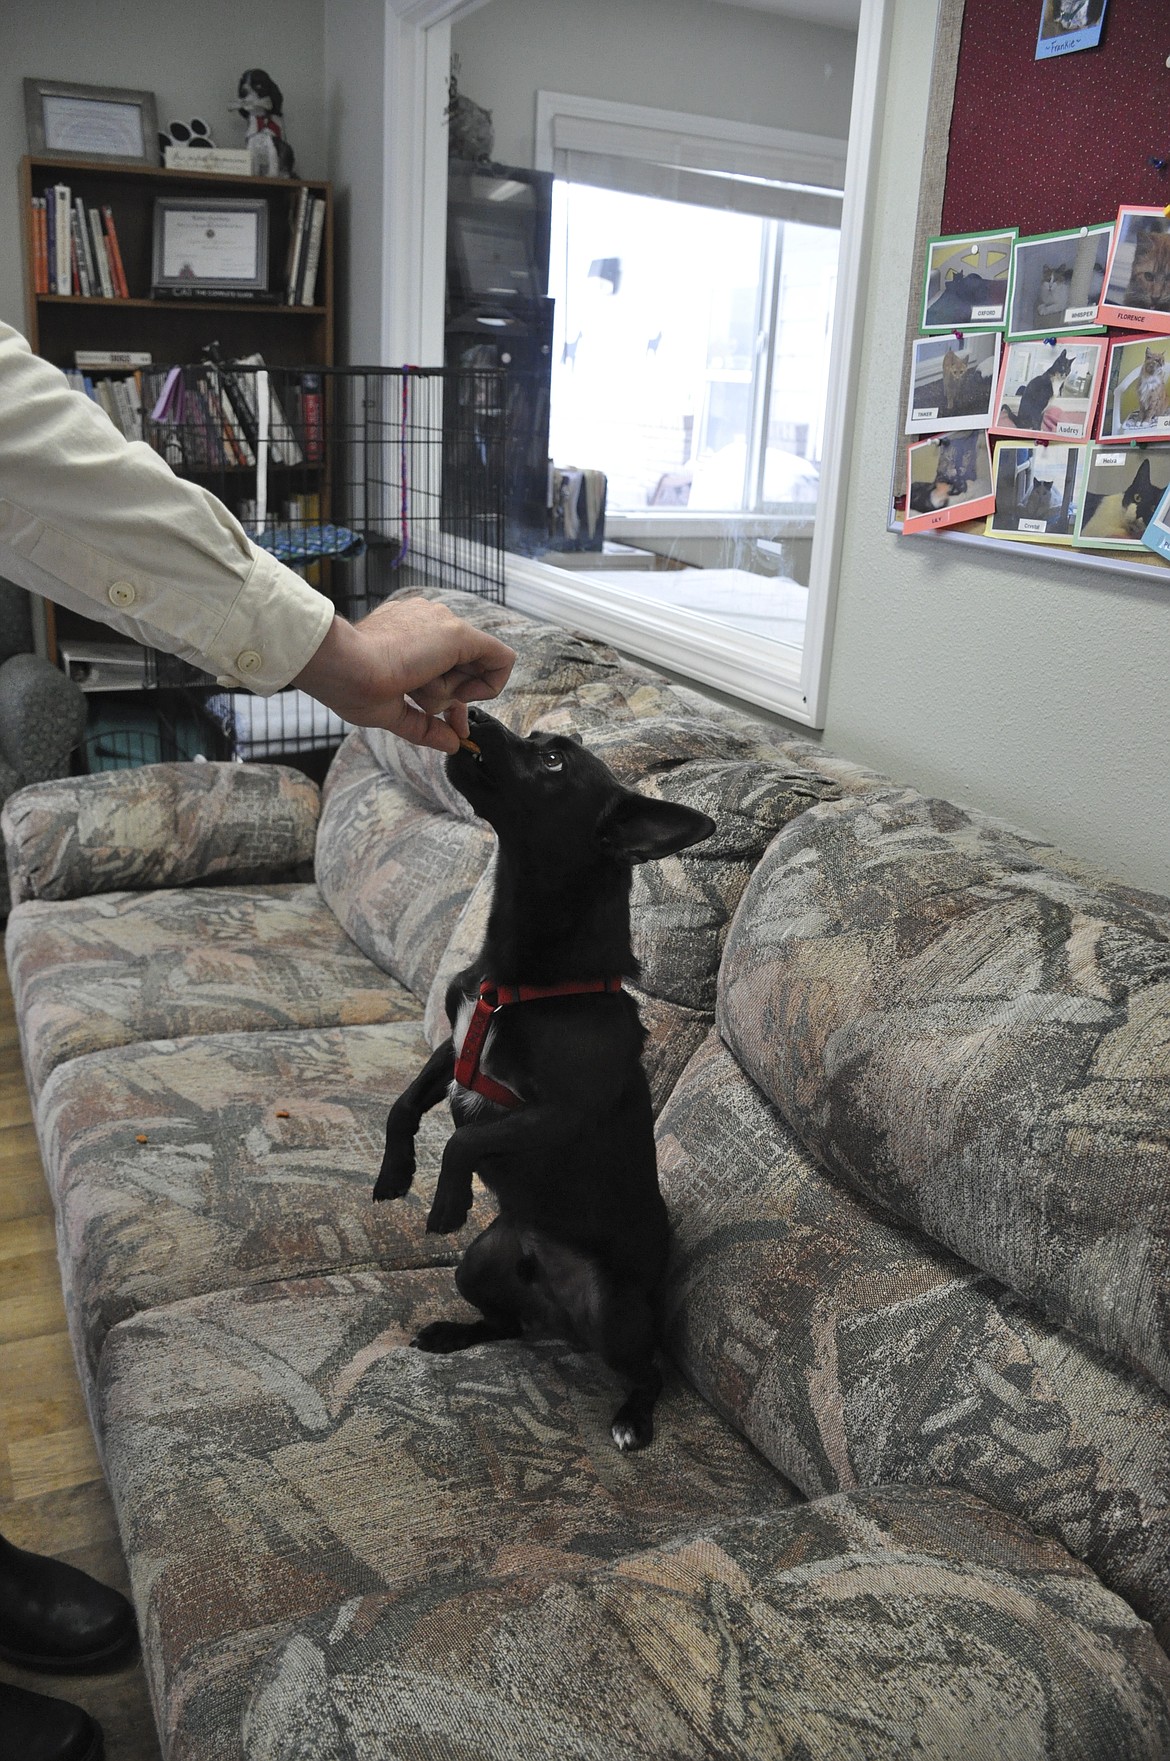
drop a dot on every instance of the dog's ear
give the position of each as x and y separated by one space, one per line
642 830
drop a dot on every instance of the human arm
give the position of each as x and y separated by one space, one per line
103 526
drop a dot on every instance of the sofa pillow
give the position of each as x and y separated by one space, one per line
979 1040
394 868
159 825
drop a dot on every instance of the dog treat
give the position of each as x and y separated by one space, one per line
470 746
140 1138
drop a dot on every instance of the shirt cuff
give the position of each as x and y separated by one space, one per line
275 626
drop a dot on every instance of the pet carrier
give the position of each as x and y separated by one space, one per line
362 480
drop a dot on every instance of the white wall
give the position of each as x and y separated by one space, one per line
189 56
674 54
1024 687
354 113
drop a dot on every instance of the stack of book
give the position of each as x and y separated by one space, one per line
76 248
120 382
306 236
208 416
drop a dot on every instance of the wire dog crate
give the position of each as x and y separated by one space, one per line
362 480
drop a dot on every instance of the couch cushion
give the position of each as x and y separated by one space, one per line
282 1432
867 1627
853 1351
88 974
978 1039
395 869
259 1157
160 825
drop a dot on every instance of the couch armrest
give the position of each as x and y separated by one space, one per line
42 715
159 825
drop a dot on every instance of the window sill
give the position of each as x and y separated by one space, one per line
764 673
639 525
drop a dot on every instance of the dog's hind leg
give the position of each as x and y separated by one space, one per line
491 1277
627 1339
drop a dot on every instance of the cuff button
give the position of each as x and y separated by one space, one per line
249 661
122 593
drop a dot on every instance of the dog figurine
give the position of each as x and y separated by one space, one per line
544 1068
262 106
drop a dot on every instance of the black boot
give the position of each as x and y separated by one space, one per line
57 1619
35 1728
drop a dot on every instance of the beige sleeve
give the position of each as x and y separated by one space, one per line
102 525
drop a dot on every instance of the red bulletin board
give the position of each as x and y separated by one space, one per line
1049 144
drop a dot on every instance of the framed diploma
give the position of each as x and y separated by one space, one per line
90 122
206 247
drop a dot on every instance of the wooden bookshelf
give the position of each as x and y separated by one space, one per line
175 331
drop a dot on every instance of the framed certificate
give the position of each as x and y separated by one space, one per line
204 246
90 122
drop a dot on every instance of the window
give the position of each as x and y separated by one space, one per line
691 350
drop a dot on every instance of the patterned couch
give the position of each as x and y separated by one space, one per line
910 1491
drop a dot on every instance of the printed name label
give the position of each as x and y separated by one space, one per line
1111 458
1068 427
1079 314
978 312
925 415
1033 526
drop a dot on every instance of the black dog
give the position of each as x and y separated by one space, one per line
550 1100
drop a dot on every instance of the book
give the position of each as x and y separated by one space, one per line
74 273
40 247
62 205
117 273
296 243
99 251
283 444
313 253
80 268
112 358
85 248
311 416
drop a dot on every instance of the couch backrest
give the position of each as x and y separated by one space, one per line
978 1038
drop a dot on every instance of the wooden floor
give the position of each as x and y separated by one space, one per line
52 1495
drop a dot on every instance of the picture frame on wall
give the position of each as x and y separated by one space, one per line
948 480
205 247
1049 389
1058 279
1136 400
66 120
968 280
1037 492
1121 491
1137 277
952 385
1069 25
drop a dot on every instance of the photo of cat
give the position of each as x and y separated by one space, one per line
968 280
1050 389
948 480
1037 491
1068 25
1137 278
952 386
1120 494
1057 280
1136 403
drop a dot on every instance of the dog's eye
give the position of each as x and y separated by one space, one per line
552 760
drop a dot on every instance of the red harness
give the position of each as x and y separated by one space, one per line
492 997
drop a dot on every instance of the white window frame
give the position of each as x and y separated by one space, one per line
792 682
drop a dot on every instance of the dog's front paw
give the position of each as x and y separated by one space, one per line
443 1336
448 1213
396 1175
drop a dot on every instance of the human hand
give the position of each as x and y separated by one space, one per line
411 666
